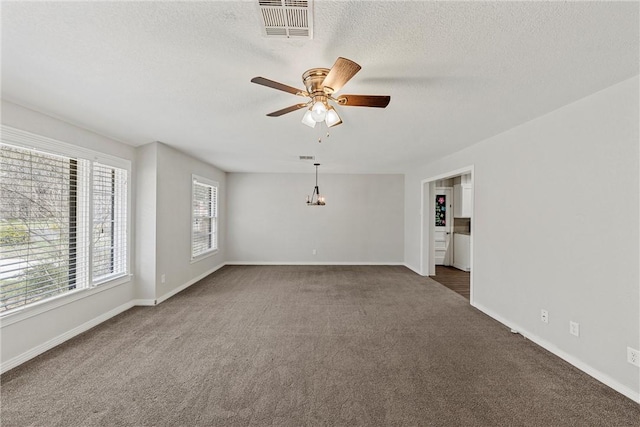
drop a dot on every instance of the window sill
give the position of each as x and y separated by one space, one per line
21 313
203 256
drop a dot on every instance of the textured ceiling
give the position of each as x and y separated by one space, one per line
179 72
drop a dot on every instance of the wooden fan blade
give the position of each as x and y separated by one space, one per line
340 74
275 85
378 101
286 110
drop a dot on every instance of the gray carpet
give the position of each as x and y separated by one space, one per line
307 346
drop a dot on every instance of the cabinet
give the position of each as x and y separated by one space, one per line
462 200
462 251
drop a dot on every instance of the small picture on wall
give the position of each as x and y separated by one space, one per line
441 210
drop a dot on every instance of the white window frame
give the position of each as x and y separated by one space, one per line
30 141
200 180
118 235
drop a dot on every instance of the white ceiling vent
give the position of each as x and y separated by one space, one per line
287 18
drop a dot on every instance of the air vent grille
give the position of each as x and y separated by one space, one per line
297 18
298 32
307 157
287 18
273 17
296 3
276 32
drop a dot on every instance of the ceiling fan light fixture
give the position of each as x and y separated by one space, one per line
321 84
319 111
332 118
308 120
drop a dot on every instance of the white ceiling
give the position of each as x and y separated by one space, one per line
179 72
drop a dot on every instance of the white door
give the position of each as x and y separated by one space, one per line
443 207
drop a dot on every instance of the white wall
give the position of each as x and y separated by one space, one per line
36 329
556 226
173 216
269 221
145 221
571 249
161 239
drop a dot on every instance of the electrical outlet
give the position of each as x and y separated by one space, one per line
162 278
544 316
313 252
633 356
574 328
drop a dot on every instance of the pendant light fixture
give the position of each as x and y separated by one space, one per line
316 199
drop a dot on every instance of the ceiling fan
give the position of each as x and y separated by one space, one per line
322 85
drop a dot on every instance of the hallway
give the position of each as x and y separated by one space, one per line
454 279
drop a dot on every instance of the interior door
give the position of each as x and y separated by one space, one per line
443 206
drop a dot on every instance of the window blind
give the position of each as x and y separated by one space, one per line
109 222
204 217
46 205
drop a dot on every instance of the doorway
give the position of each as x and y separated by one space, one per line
446 247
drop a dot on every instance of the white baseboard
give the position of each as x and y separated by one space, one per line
18 360
144 302
186 285
310 263
584 367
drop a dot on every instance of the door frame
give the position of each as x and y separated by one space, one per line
427 216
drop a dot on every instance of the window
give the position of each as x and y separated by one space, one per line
63 224
109 222
204 222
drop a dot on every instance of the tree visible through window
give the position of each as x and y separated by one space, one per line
47 203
